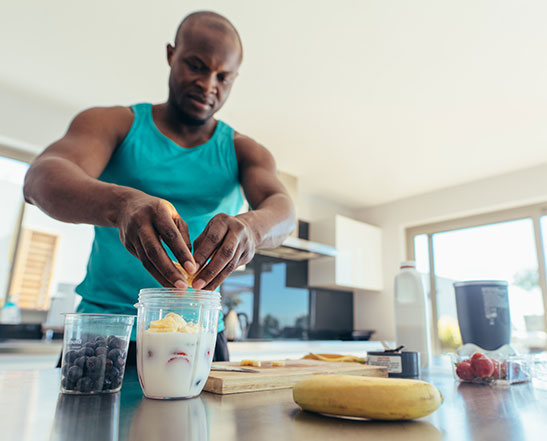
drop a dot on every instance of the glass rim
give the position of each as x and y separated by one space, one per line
481 282
189 290
176 294
97 315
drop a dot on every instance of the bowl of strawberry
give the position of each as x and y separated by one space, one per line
485 368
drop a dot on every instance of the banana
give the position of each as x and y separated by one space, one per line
333 357
189 278
367 397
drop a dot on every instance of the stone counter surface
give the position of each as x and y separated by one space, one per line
31 408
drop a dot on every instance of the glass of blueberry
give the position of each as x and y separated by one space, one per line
94 352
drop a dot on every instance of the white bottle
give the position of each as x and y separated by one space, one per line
412 320
10 313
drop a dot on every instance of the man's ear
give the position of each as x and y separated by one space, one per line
170 51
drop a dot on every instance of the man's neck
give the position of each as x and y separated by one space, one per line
169 120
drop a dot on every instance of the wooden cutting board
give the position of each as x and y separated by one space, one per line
269 378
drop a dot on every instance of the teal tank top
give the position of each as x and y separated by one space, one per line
200 182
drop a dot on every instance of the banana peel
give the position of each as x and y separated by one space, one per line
333 357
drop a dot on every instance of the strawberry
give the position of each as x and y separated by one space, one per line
178 358
477 355
464 371
482 367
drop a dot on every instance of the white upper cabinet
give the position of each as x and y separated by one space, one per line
358 264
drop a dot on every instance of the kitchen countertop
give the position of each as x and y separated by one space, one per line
31 408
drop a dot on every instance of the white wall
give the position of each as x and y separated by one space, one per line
375 310
315 208
33 119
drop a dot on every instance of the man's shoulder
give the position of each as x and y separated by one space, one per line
109 113
114 119
244 141
248 150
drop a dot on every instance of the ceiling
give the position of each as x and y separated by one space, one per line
365 101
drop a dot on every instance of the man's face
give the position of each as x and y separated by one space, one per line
204 66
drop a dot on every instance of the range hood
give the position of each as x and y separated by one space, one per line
294 248
297 247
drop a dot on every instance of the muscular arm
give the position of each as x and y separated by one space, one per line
272 217
232 241
63 182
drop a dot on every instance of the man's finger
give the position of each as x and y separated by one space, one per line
225 272
171 234
157 256
141 255
208 242
222 258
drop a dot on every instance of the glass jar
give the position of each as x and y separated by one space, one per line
94 352
176 337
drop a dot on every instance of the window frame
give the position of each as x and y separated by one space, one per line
533 212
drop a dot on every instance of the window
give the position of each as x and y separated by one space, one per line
501 246
272 301
12 173
271 309
41 259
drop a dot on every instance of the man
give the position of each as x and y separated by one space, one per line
162 182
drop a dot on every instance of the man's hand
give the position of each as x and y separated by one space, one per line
144 222
226 243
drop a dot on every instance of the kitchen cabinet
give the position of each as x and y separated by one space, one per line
358 264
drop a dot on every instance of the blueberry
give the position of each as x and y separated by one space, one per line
118 357
75 373
100 341
71 356
67 384
115 383
119 362
107 384
87 351
85 384
114 373
101 350
65 369
94 364
113 354
80 361
108 365
114 342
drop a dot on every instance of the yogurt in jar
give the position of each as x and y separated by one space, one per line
174 358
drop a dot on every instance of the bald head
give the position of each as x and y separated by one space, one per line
207 19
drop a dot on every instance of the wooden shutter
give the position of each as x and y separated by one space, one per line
33 268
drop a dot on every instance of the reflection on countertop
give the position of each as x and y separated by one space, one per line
33 410
86 417
170 420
